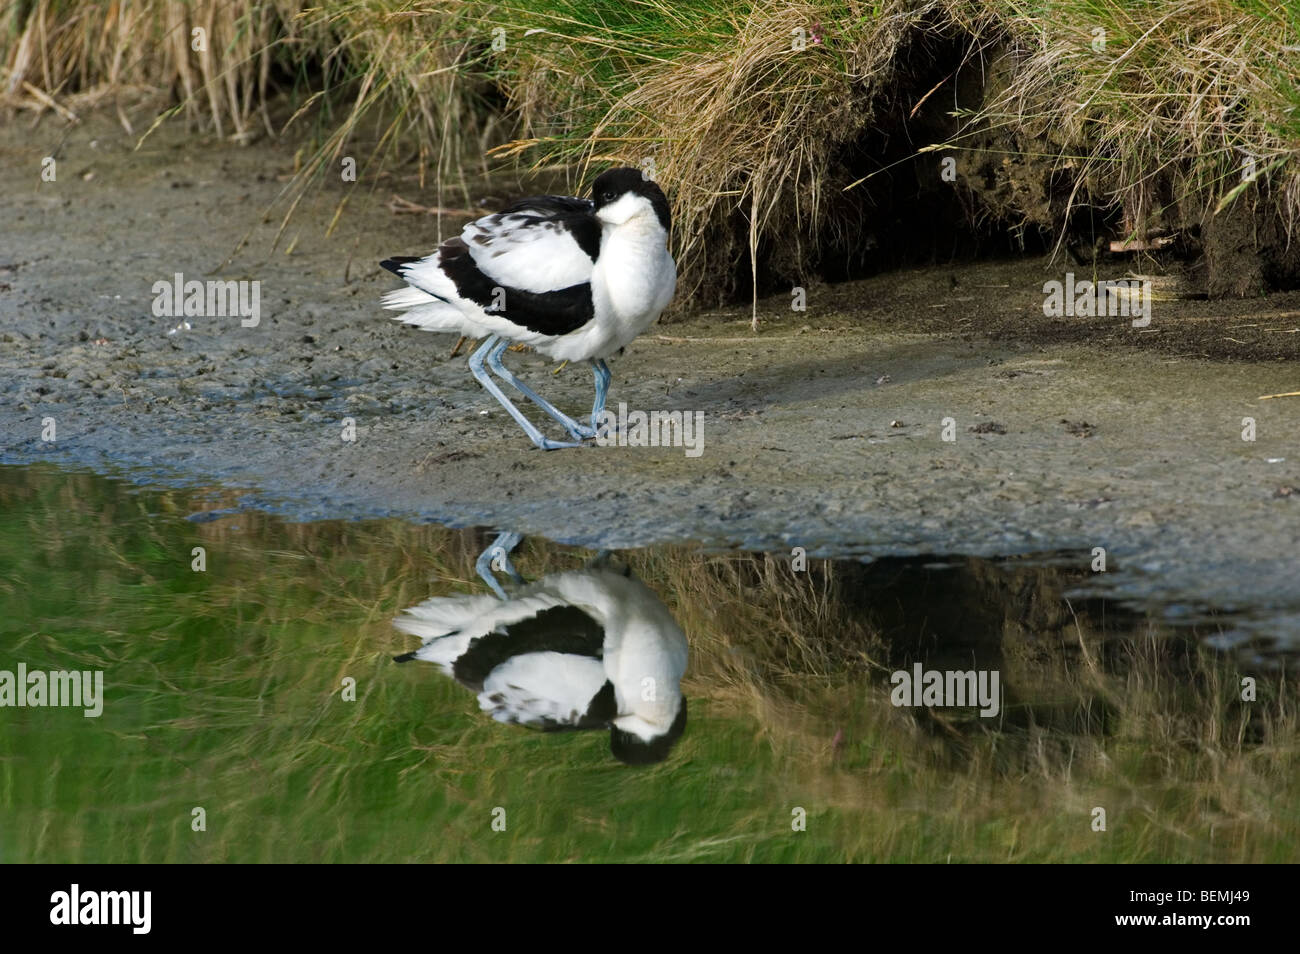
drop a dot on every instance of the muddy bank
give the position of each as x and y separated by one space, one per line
826 430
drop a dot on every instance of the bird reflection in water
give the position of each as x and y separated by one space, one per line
593 648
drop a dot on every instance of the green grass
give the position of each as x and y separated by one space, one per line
223 692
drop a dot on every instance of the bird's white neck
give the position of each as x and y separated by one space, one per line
633 266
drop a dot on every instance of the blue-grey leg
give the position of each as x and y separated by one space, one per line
480 373
499 550
576 431
601 371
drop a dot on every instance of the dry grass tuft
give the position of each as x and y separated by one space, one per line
753 114
215 58
1171 112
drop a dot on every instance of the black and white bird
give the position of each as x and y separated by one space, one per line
575 279
585 649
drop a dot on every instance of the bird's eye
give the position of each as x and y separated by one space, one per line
607 197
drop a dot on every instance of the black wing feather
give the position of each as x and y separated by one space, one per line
395 263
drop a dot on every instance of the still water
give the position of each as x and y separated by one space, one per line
252 708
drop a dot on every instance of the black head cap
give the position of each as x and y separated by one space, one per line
613 184
632 750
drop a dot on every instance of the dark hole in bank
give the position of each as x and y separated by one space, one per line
888 206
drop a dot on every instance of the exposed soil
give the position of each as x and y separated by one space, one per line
824 430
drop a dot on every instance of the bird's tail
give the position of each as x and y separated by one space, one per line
427 311
441 622
444 614
442 651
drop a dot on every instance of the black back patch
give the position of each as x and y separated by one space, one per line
548 313
560 629
602 710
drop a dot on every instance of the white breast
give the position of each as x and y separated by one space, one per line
631 284
645 649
